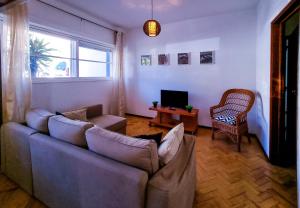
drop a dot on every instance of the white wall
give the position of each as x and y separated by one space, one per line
61 96
232 36
267 10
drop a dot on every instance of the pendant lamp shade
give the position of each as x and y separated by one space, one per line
152 27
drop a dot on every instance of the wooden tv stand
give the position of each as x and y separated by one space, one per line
164 118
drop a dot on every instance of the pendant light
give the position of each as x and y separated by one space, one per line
151 26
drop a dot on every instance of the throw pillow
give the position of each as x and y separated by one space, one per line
156 137
76 115
170 144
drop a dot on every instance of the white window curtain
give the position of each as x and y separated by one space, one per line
16 78
117 105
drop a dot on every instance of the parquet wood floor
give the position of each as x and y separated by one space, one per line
225 178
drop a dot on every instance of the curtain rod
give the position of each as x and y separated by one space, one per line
75 15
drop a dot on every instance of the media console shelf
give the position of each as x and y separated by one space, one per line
164 118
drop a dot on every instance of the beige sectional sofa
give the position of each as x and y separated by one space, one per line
49 159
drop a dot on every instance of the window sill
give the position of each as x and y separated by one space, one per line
69 79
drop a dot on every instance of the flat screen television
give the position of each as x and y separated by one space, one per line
175 99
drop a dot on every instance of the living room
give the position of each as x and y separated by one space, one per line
99 60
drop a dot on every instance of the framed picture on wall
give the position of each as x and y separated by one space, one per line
163 59
183 58
207 57
146 60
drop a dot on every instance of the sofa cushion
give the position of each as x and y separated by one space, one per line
38 119
76 114
228 119
94 111
109 122
139 153
170 144
68 130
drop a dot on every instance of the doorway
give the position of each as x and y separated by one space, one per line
284 86
288 143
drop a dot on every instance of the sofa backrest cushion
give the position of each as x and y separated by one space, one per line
38 119
68 130
94 111
139 153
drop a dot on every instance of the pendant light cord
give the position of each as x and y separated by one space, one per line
152 8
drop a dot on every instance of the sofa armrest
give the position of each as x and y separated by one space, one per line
94 111
15 154
174 185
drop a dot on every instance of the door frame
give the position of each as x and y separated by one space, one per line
277 78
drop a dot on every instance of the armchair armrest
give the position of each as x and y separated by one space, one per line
215 109
241 118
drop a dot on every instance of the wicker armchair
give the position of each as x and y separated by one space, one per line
230 116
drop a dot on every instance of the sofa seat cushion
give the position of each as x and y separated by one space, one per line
138 153
38 119
109 122
71 131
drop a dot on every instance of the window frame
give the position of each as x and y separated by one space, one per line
87 45
77 41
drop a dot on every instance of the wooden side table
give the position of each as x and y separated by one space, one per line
164 118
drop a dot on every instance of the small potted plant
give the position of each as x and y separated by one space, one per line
189 108
155 104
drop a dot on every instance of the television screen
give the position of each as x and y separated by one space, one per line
171 98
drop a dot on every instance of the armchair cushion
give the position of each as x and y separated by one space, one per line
228 119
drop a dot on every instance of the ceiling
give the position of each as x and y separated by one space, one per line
133 13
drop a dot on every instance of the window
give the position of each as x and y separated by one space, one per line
50 56
60 56
94 62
